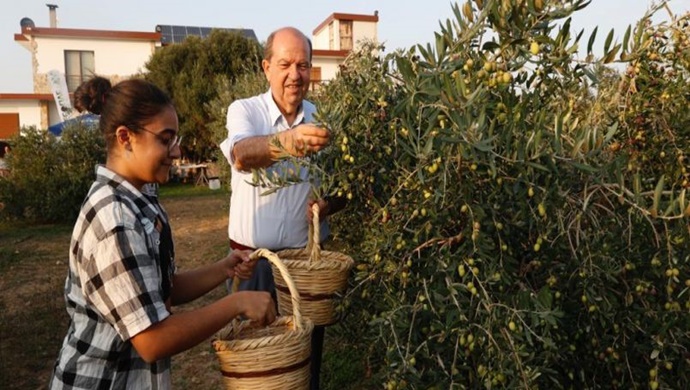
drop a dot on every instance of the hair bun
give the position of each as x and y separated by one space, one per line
91 95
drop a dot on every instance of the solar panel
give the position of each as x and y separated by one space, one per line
175 34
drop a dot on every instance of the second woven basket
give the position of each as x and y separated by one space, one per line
273 357
320 277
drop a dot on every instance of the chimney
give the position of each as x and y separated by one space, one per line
53 15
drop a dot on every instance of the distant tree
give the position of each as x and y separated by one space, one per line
190 71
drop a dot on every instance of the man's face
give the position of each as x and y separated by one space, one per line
288 70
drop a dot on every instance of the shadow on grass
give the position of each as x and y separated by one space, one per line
29 343
33 321
344 364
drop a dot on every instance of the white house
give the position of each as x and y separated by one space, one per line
34 109
76 53
79 54
335 38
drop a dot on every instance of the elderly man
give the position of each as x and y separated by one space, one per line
260 129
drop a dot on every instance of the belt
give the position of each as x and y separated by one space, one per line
239 247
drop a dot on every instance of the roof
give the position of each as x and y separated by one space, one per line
340 16
175 34
330 53
165 34
82 33
26 96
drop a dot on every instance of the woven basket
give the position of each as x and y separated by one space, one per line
273 357
320 277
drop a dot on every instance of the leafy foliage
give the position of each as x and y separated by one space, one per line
522 215
190 72
49 177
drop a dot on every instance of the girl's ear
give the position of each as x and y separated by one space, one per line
122 137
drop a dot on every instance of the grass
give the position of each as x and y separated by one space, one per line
12 235
33 320
180 190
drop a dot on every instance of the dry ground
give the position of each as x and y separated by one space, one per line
33 320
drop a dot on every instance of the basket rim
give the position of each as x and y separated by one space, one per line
328 260
222 344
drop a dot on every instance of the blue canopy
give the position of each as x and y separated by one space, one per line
86 120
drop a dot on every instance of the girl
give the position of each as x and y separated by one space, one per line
122 281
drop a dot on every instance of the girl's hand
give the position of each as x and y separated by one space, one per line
258 306
245 269
236 263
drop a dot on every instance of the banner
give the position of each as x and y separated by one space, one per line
58 85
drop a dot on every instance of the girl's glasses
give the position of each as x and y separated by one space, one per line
170 141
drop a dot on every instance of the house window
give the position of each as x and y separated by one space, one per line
79 67
315 77
346 35
330 36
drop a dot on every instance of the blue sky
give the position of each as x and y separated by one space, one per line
402 23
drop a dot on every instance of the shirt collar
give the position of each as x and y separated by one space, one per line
105 176
275 113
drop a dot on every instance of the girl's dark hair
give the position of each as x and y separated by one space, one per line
132 103
89 95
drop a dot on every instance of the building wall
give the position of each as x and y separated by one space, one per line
29 111
111 57
52 115
363 31
329 66
320 40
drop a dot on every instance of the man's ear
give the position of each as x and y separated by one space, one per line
265 64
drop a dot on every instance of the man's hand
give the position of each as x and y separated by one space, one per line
302 140
324 209
327 206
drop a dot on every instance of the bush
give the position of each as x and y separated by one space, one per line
522 220
50 177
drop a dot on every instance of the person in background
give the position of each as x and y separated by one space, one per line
122 281
255 125
4 151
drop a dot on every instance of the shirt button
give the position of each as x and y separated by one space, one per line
158 242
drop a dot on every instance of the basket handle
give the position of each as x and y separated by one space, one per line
314 239
294 294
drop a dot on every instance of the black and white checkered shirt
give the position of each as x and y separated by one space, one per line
113 290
